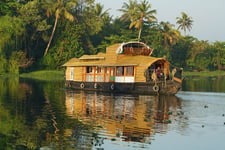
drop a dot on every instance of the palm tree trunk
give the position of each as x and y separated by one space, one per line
50 40
139 34
184 32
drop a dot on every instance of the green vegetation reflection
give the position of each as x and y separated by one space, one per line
33 115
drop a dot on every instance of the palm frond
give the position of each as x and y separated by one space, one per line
68 16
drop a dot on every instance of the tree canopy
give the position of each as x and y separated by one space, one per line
138 14
184 22
44 34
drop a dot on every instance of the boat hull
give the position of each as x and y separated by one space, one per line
147 88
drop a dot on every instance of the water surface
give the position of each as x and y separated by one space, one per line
41 115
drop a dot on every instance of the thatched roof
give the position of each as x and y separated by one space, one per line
111 58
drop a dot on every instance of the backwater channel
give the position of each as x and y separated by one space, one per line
44 115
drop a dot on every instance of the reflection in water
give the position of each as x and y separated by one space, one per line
204 84
43 115
124 117
30 114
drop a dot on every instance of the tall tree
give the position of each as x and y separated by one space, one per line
36 34
128 10
138 14
184 22
145 13
218 55
59 8
9 7
170 36
101 15
95 18
104 19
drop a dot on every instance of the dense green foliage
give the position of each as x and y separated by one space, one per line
40 34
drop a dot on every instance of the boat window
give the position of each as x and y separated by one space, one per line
130 71
89 69
99 69
112 71
120 71
71 73
107 70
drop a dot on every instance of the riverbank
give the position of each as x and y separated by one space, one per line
204 73
56 75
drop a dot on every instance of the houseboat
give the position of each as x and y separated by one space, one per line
124 68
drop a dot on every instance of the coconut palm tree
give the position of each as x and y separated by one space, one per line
101 15
170 35
128 10
184 22
138 14
59 8
145 13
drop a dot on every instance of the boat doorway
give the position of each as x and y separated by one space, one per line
112 74
148 73
156 72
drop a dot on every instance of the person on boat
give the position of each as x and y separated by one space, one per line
154 76
173 72
159 73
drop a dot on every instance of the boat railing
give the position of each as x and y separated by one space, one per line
136 51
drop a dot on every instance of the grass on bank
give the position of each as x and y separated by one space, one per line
48 75
204 73
8 75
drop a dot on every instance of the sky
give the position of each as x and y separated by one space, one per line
208 15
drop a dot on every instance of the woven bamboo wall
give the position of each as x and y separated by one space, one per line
139 74
111 53
78 74
68 73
